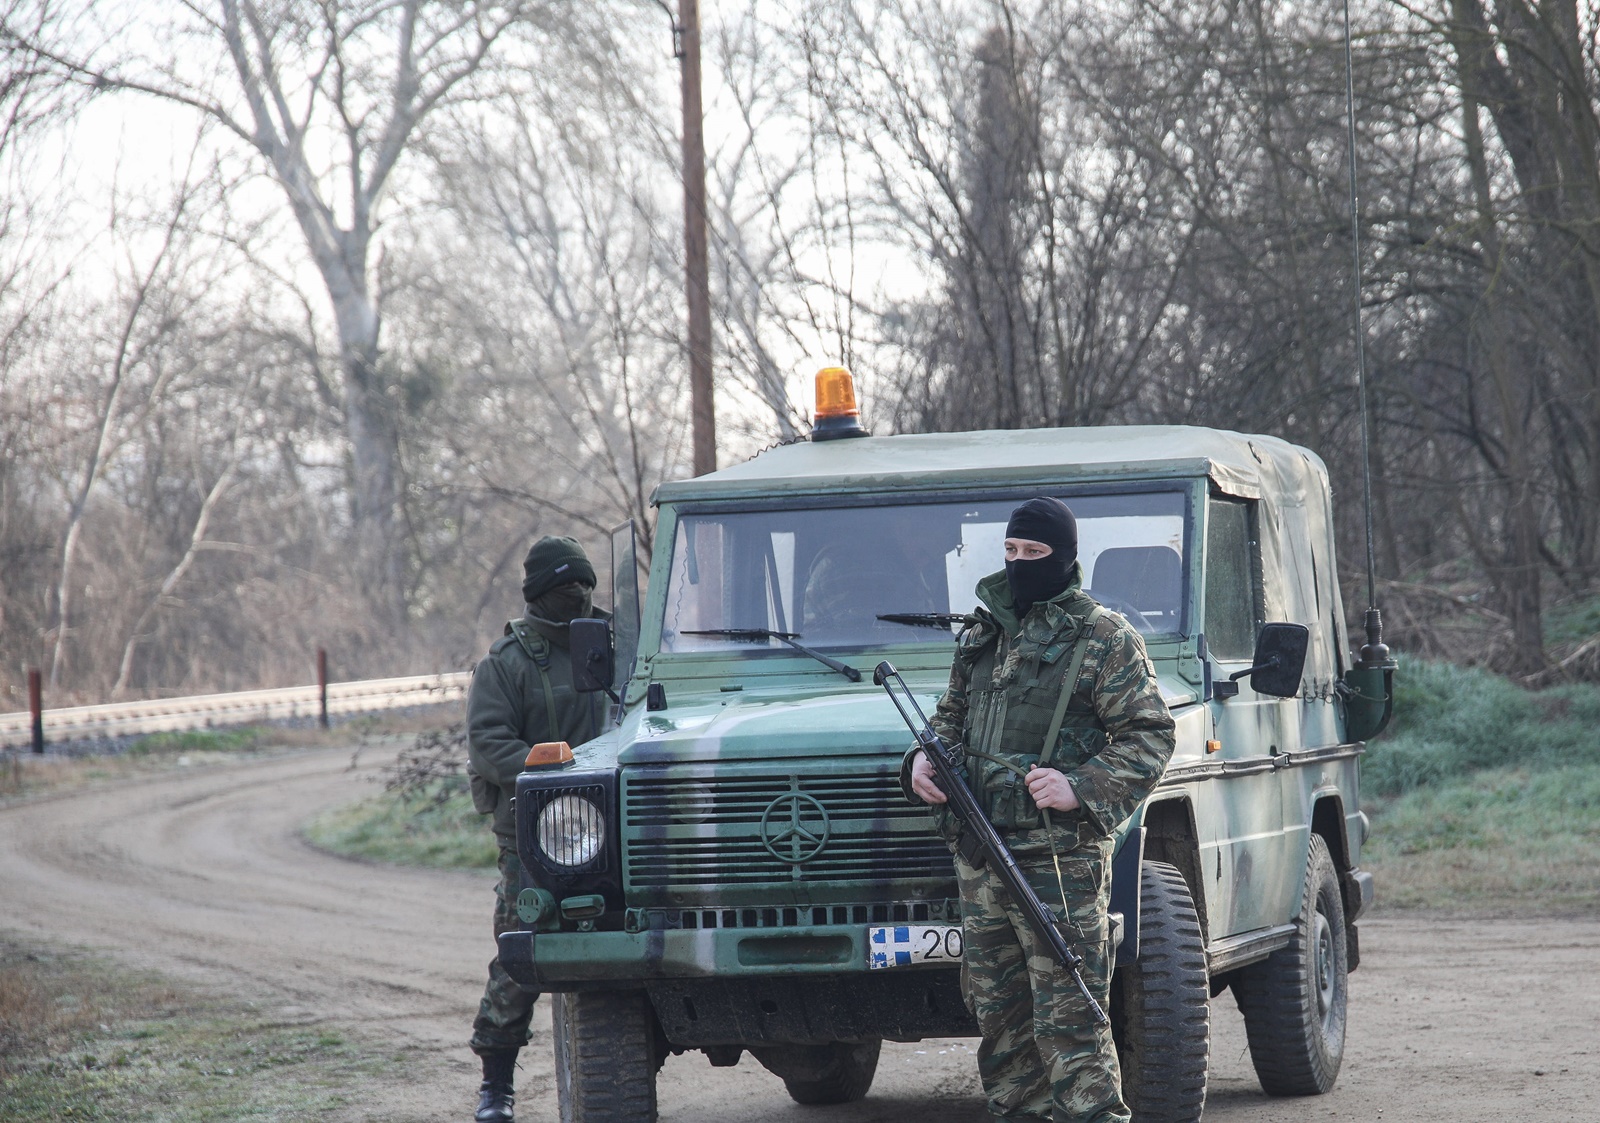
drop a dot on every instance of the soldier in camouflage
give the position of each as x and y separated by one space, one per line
1043 1057
522 694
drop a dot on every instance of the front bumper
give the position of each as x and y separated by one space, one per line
569 961
566 961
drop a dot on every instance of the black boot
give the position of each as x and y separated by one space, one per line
496 1095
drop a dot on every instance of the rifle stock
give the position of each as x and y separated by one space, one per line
986 845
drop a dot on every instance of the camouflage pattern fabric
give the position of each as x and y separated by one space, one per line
1004 685
1042 1057
503 1014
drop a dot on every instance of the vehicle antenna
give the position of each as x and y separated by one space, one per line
1374 651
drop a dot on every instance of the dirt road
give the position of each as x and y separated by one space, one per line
202 873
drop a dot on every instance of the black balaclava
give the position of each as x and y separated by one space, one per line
564 603
1049 521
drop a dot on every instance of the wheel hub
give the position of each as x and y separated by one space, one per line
1322 935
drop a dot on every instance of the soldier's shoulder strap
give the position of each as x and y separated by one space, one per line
980 630
537 648
1069 682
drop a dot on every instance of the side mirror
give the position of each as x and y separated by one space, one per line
1280 660
590 643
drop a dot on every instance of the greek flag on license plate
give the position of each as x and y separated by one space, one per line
891 947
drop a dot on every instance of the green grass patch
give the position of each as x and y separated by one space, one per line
1499 841
1484 796
431 825
1451 721
241 740
81 1038
1572 621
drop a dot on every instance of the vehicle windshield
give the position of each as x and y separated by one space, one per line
827 575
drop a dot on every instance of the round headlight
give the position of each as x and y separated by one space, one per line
571 830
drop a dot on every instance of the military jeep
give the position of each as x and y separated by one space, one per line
732 868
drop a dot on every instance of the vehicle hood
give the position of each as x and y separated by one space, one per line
750 725
769 725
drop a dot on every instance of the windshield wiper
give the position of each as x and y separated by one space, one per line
844 669
924 619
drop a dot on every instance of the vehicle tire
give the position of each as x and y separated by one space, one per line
818 1075
1294 1001
1160 1005
606 1056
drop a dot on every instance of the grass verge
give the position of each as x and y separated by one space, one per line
1498 842
83 1039
434 827
1485 797
423 817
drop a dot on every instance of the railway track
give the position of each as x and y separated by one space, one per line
205 711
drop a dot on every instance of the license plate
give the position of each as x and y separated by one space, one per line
905 945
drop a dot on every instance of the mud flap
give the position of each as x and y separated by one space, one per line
1125 893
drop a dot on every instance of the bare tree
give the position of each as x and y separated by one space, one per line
354 82
150 308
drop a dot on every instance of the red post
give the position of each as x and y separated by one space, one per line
322 683
36 707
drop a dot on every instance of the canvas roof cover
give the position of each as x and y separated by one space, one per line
1238 464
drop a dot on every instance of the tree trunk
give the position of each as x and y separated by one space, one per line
1517 573
372 427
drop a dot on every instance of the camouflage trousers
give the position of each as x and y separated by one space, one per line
503 1015
1042 1056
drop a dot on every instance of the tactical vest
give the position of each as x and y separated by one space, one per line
1014 692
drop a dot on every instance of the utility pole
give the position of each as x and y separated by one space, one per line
696 266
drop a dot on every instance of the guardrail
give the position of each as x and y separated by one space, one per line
203 711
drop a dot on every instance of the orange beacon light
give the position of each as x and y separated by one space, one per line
837 415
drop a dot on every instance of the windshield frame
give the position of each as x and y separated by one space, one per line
673 513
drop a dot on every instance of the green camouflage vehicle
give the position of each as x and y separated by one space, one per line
734 869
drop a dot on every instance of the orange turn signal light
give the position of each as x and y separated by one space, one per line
546 753
1213 746
836 393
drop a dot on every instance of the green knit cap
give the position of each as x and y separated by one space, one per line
554 561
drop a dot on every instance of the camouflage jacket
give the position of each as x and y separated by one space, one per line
507 711
1005 682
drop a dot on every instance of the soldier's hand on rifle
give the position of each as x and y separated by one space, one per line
922 781
1048 787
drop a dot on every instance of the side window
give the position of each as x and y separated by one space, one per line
1233 596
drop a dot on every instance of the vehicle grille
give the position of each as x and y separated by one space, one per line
897 912
696 828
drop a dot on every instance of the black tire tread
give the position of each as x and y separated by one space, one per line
1164 1010
849 1080
1279 1006
607 1039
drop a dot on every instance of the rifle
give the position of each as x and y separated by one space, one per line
949 767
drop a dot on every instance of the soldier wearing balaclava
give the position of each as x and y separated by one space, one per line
1066 735
1050 522
522 694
